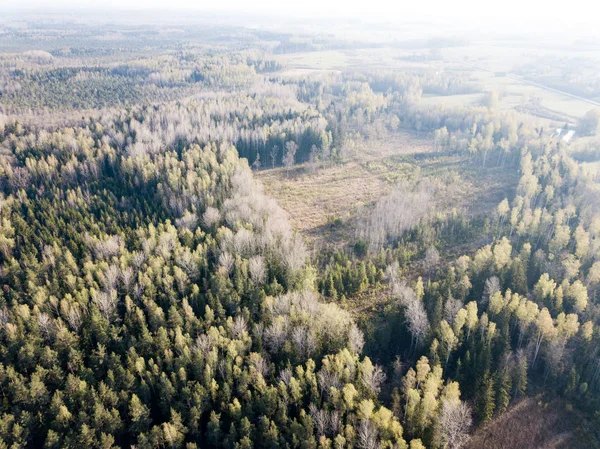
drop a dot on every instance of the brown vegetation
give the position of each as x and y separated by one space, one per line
530 424
325 202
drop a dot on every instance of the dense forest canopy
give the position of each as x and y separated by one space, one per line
154 295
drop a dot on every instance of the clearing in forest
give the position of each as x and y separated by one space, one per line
534 424
325 202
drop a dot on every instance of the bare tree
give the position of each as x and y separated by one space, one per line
276 334
312 157
356 339
492 285
226 262
239 326
319 418
451 308
138 290
285 375
295 254
432 259
416 316
222 367
46 325
138 259
327 380
373 379
257 268
455 422
210 217
367 435
273 155
260 364
20 178
166 244
256 163
111 277
403 209
417 321
109 247
325 422
300 338
189 262
290 155
74 317
243 241
107 303
188 221
204 344
334 422
127 278
392 273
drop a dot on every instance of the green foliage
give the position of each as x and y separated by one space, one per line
485 403
346 276
156 298
152 296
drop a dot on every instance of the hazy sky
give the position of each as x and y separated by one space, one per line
554 13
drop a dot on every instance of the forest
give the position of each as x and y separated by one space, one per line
229 237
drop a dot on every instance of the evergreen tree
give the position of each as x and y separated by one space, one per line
485 402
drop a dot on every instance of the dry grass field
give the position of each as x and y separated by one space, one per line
533 424
325 202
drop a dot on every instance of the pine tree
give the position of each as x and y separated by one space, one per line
213 429
139 415
363 280
503 390
520 377
572 382
485 402
518 277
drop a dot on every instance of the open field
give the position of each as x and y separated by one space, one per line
325 204
323 60
373 58
516 92
480 61
314 200
591 168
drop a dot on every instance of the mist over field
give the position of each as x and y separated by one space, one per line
315 225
